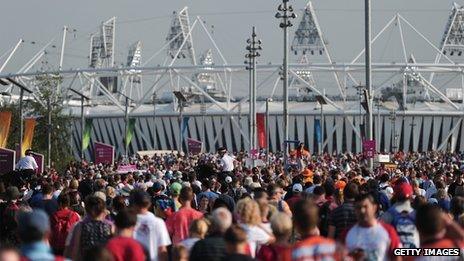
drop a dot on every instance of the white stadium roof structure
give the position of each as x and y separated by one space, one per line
419 104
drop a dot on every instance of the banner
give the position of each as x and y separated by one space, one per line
29 126
7 160
261 126
194 146
5 121
39 158
130 131
126 168
317 130
368 148
185 121
86 136
104 153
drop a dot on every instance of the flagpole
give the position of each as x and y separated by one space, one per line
83 98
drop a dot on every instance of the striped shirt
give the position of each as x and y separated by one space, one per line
342 218
317 248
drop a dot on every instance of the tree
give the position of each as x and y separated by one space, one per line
61 152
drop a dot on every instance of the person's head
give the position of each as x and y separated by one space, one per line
429 221
248 211
236 240
351 191
297 188
126 219
98 253
275 192
94 206
186 195
118 203
366 208
221 220
175 189
402 191
63 200
306 217
8 253
12 193
139 199
33 226
47 189
198 228
29 152
281 225
179 253
457 206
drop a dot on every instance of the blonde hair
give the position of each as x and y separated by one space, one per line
281 224
248 211
110 192
198 228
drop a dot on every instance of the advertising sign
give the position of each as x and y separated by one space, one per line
104 153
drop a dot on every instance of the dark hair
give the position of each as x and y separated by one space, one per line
186 194
351 191
64 200
139 198
317 179
457 206
428 219
98 253
33 235
94 206
319 190
125 218
119 203
306 215
47 189
364 196
235 235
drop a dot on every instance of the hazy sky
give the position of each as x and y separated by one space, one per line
148 20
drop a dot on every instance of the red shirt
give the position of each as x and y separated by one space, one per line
274 252
317 248
125 248
178 224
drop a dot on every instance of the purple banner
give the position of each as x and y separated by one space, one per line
369 148
7 160
104 153
194 146
39 158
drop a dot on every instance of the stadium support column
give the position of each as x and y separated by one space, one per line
285 13
367 24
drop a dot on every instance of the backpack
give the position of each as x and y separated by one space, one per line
61 226
404 224
8 223
94 233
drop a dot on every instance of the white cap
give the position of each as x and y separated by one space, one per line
228 179
297 187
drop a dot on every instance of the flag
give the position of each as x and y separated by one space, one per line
86 135
130 131
5 121
261 125
317 128
29 126
185 121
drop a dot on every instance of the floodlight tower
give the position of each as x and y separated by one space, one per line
181 44
108 31
134 59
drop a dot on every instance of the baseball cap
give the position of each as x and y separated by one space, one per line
228 179
297 187
175 188
157 186
403 190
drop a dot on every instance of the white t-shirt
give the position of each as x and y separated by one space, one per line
227 163
256 237
376 241
27 162
189 242
152 233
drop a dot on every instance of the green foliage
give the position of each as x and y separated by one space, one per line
61 124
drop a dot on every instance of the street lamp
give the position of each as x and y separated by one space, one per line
367 24
21 95
182 100
126 120
267 128
83 98
254 45
154 98
285 13
321 100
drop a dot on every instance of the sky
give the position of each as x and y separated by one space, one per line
37 22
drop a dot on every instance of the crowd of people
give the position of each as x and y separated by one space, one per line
224 206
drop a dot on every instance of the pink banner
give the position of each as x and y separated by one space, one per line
261 126
369 148
39 158
104 153
7 160
194 146
126 168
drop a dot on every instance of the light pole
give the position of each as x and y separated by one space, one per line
321 100
392 117
378 103
203 112
83 98
368 74
285 13
154 120
267 129
182 100
254 45
21 96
